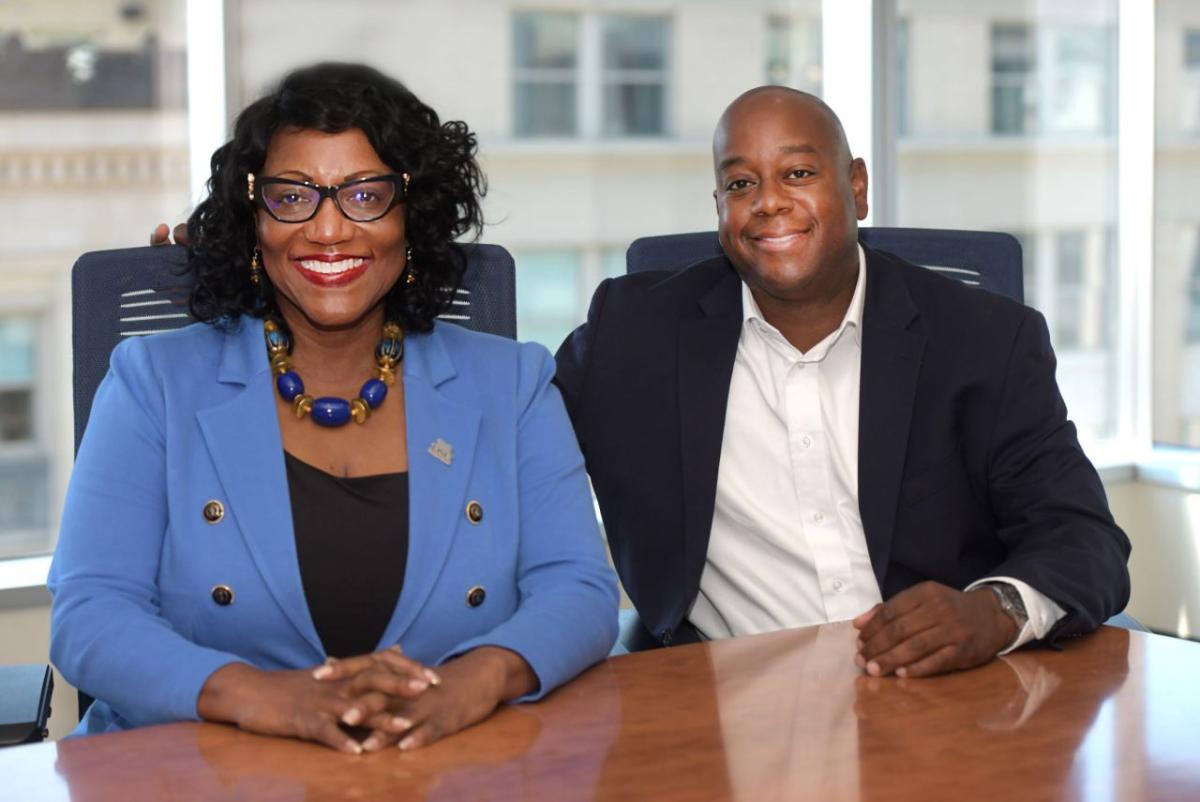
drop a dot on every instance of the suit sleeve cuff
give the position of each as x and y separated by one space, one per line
1043 612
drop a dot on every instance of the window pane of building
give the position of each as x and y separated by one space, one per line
1177 225
545 56
547 295
1023 141
635 75
93 152
794 52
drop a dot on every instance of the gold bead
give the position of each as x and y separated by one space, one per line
386 374
280 364
393 330
302 404
359 410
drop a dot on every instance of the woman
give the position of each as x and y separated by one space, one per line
234 549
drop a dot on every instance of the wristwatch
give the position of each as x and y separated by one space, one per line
1010 602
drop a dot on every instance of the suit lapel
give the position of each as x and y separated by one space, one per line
437 491
242 435
891 364
707 347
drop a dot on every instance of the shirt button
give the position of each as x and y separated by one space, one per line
475 596
806 441
474 512
837 585
222 595
818 517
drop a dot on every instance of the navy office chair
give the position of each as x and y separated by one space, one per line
138 291
25 693
985 259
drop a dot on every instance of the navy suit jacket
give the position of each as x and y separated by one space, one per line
967 464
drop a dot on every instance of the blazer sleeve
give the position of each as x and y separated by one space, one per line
1052 511
107 636
567 616
573 359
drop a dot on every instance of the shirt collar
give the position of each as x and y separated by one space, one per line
854 312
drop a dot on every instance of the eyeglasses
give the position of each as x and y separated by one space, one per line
361 200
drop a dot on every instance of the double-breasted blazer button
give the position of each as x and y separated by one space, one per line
222 595
474 511
214 511
475 596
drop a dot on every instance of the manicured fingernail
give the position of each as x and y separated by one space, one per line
418 684
351 717
401 723
370 745
873 668
433 678
321 672
330 661
901 672
396 648
858 644
408 743
860 661
355 747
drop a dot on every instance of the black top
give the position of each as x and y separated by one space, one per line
352 546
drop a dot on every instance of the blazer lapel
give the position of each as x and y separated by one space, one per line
437 489
707 347
242 435
891 364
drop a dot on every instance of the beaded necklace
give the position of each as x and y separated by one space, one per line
330 410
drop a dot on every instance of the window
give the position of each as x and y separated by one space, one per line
547 295
1176 314
1013 64
589 75
1191 80
635 76
1021 141
1052 79
545 74
93 103
24 480
794 52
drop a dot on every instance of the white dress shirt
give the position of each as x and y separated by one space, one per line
787 547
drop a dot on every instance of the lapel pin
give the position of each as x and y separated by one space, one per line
441 450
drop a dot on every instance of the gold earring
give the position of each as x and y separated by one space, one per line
255 269
250 186
410 274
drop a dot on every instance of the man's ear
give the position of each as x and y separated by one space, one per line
858 186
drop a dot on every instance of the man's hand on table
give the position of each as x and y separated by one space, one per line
931 629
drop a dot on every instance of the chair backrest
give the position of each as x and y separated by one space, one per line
986 259
137 291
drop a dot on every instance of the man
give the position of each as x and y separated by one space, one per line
805 430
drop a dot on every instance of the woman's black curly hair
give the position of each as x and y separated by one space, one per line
442 203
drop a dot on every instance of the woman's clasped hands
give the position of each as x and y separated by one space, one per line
396 700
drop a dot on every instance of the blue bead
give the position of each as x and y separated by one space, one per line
290 385
373 392
329 411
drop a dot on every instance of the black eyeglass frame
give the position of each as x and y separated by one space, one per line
256 186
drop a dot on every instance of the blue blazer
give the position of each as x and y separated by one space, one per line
967 464
188 417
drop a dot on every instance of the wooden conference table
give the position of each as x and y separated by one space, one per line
786 716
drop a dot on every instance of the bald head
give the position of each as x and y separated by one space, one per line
752 106
789 195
